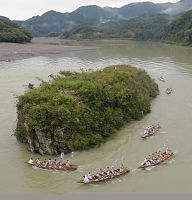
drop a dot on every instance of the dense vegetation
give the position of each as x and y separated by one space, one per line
180 30
11 32
54 34
77 111
147 27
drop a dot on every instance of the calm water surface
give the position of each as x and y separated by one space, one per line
174 113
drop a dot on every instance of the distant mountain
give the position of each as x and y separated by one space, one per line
53 21
11 32
146 27
179 7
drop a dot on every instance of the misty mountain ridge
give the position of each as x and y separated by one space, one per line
53 21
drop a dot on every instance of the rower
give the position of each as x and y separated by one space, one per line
145 132
122 168
49 161
108 171
85 179
67 163
148 163
38 161
145 161
30 161
101 172
90 177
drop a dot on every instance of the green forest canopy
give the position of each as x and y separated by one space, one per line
11 32
78 111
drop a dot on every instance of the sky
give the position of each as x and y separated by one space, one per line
24 9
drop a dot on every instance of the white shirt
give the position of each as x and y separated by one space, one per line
37 161
30 161
89 177
86 180
145 132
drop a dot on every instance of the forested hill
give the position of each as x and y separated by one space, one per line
53 21
11 32
180 30
147 27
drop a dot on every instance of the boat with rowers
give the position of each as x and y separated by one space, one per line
103 176
52 165
169 91
156 159
161 79
151 130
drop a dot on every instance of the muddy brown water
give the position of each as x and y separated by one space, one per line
173 112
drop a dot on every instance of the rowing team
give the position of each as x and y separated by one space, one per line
49 163
161 79
169 90
157 157
151 129
102 175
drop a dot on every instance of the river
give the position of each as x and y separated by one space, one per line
173 112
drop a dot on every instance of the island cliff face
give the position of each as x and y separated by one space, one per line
77 111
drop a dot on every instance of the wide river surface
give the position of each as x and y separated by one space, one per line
173 112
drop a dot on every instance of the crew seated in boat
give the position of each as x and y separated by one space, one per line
31 161
85 179
43 164
122 168
145 161
89 176
67 163
148 163
37 161
101 172
109 172
49 161
58 164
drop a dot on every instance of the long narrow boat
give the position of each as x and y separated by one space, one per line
161 79
71 167
144 166
169 91
155 129
106 178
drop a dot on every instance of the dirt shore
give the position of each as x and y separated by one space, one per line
38 47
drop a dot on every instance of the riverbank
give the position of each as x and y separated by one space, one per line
37 47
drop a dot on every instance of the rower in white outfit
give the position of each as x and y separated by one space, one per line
38 161
30 161
89 176
85 179
145 132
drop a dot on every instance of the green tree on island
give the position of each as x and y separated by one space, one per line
77 111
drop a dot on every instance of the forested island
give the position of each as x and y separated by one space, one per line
11 32
77 111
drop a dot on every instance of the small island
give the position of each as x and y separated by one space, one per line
78 111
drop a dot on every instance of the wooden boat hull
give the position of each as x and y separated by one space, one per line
155 164
106 179
71 168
